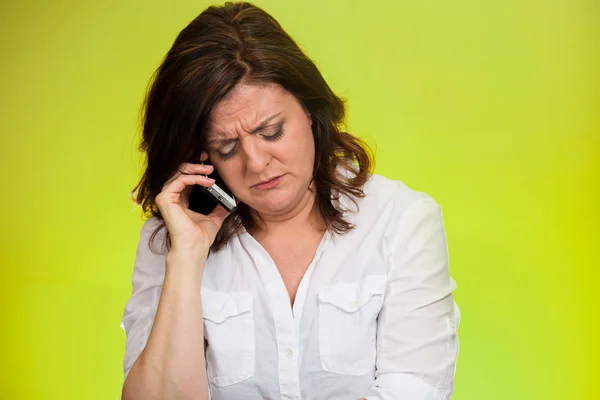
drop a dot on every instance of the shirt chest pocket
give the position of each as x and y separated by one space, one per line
348 325
229 332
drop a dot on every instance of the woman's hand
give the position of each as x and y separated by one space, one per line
190 232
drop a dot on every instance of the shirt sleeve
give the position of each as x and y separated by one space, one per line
417 341
147 280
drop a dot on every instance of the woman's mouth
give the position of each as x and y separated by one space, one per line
269 184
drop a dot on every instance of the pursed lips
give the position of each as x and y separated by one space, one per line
267 181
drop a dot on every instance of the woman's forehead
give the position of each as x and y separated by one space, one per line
247 106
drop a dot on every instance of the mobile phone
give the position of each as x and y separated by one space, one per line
204 199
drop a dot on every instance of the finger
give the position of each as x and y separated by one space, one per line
178 185
219 214
172 178
190 168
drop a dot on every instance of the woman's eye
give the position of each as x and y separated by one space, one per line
273 136
227 151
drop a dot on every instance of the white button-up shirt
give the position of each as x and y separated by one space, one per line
373 316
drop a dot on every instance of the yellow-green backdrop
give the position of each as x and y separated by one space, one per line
491 107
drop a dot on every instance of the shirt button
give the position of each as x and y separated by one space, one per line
289 353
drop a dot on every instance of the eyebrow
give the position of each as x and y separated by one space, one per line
261 127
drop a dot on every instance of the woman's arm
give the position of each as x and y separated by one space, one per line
164 326
417 342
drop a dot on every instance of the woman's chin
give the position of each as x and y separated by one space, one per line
275 205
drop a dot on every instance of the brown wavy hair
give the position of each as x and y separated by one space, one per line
211 55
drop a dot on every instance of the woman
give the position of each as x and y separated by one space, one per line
326 282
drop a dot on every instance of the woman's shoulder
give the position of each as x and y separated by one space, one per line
389 208
382 192
403 216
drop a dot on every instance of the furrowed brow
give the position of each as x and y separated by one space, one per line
261 127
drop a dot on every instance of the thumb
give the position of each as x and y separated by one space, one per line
218 215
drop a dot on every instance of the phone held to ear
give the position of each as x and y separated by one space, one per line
204 200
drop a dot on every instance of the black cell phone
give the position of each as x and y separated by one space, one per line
204 200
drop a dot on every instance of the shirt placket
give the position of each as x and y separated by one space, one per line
284 318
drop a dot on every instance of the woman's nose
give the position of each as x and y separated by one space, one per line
257 158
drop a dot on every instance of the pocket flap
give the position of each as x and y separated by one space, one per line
351 297
218 306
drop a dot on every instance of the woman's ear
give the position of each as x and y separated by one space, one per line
203 156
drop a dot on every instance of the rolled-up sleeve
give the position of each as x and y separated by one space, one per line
417 341
147 280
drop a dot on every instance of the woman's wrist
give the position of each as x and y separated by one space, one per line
196 254
191 260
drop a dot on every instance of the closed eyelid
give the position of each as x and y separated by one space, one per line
226 147
221 142
272 129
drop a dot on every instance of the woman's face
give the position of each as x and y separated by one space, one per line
261 143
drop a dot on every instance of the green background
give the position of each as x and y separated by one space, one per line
491 107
